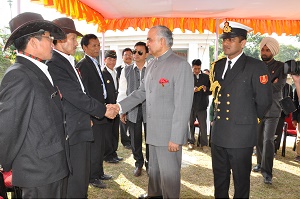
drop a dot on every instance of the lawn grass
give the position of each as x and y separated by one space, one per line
197 177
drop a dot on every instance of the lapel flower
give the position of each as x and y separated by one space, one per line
163 81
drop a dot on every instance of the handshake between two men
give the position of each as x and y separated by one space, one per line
112 110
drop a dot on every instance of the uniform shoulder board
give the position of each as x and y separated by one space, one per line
212 65
219 60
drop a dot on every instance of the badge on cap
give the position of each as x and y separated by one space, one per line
227 28
263 79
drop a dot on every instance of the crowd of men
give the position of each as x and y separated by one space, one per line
61 120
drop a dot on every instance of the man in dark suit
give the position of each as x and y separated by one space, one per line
267 127
79 108
127 60
200 104
110 78
242 94
32 137
95 86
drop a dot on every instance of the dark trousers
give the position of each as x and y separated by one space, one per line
125 139
201 117
265 145
112 139
278 132
56 189
115 131
97 150
136 134
237 160
78 181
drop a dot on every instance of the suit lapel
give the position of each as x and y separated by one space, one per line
119 70
43 79
219 70
109 76
94 66
66 64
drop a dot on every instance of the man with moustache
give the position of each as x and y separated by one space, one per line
79 107
127 60
267 127
242 94
112 84
130 80
93 81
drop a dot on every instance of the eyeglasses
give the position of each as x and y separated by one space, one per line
50 38
139 52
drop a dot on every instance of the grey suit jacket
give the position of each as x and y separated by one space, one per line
168 105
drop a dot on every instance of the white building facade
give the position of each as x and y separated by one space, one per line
188 45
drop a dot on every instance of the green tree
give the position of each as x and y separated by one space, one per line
252 46
6 57
78 56
287 52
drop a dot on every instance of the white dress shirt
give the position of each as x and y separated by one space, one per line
123 83
71 59
232 63
39 64
97 65
113 73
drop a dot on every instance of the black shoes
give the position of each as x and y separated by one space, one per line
137 172
127 146
297 159
98 183
190 146
145 196
267 180
118 158
257 168
105 177
113 161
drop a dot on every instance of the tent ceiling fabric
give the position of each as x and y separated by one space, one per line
265 16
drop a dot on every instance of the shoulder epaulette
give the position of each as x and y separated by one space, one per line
214 85
218 60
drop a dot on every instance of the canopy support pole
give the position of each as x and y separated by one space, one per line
217 40
103 49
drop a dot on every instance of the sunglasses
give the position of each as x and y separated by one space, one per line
139 52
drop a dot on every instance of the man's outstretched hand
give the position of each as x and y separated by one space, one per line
112 110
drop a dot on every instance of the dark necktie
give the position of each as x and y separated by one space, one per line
228 69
